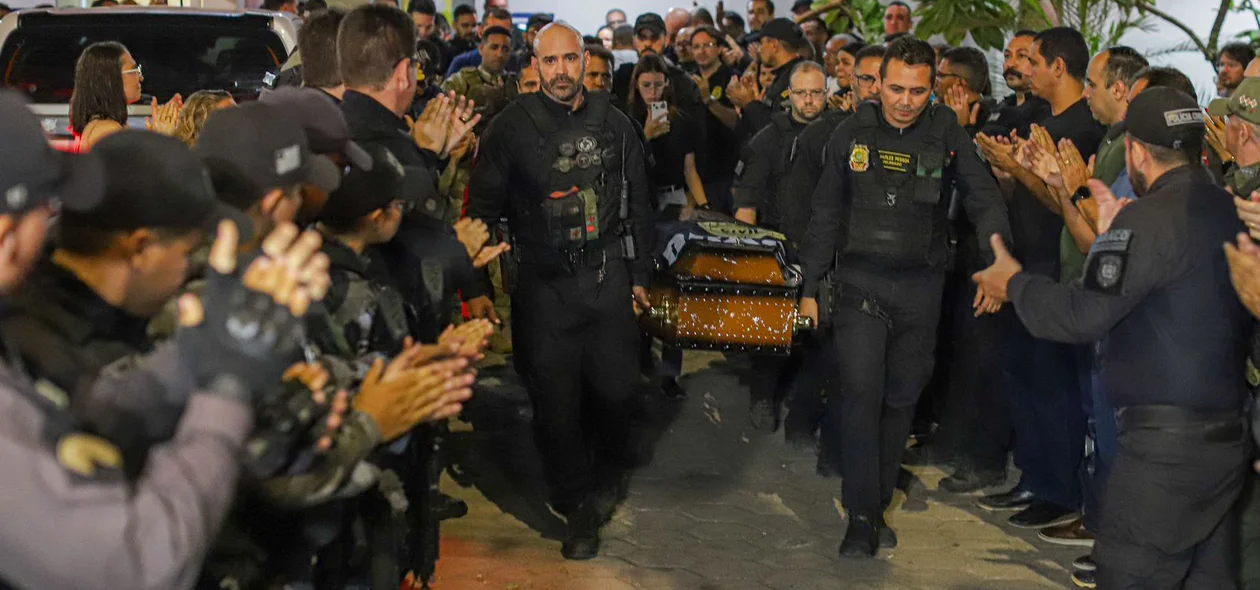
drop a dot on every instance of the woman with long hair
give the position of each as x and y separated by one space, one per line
106 80
671 136
196 110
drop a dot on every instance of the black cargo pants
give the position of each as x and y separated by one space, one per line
577 345
882 365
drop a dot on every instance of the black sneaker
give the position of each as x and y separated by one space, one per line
672 390
966 480
1084 579
887 537
1040 515
1016 499
1085 563
446 507
861 538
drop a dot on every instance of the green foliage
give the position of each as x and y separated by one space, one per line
865 17
986 20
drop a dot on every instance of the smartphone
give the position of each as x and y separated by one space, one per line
658 110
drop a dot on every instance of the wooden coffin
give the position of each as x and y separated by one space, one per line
723 285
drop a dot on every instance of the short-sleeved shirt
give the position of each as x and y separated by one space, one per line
1038 230
723 151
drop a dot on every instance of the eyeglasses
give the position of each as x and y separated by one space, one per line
652 85
699 46
136 70
812 93
865 80
649 37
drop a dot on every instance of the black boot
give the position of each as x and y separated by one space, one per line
862 538
583 538
446 507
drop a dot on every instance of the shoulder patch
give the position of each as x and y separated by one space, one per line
1105 267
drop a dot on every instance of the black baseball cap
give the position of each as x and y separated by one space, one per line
802 5
152 180
538 19
32 172
256 148
363 191
650 21
783 29
323 122
1166 117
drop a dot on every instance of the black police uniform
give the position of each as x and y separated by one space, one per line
806 411
573 325
1157 293
761 176
424 233
881 207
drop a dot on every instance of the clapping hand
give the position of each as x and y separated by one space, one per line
1249 213
165 117
956 100
432 129
1244 272
315 378
462 121
999 151
1215 136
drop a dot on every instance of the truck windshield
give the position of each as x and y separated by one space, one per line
178 53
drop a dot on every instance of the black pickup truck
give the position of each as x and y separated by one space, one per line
182 50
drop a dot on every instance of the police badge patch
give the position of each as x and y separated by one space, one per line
859 158
1104 269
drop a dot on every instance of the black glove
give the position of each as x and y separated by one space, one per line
246 337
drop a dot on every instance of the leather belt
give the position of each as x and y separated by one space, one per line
592 255
1222 426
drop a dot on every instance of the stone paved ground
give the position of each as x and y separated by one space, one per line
720 508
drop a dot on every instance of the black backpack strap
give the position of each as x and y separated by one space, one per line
782 122
538 114
597 105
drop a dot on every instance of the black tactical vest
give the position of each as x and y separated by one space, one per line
584 174
365 317
897 216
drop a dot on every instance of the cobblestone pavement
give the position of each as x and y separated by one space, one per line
721 507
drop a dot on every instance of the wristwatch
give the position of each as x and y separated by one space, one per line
1081 194
703 206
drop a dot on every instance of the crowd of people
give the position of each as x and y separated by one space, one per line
232 341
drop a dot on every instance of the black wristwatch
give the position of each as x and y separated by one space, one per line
1081 194
703 206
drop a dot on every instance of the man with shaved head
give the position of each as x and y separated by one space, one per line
567 171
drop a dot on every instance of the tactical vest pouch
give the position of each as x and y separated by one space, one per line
590 205
927 177
566 219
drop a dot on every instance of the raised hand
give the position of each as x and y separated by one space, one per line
165 117
462 121
740 92
1076 172
1108 205
1249 212
999 151
473 234
1215 136
433 127
956 100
